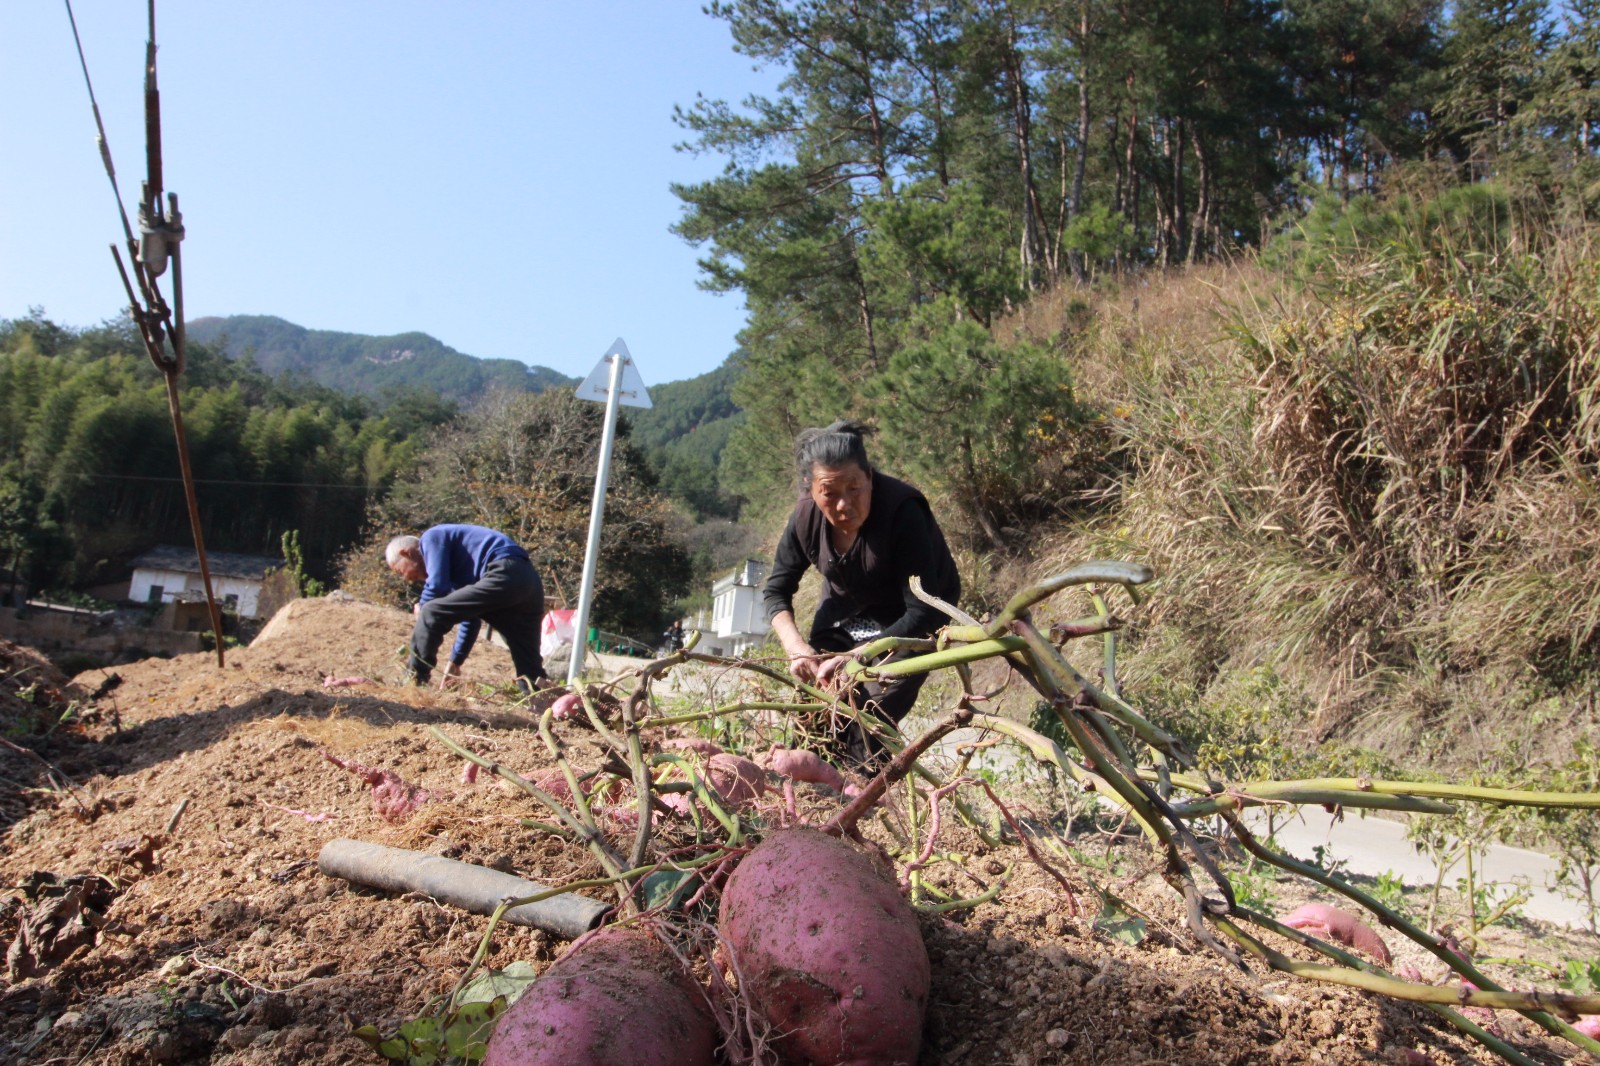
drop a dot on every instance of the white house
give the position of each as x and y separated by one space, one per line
738 618
169 575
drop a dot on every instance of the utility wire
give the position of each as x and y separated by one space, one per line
161 234
223 481
100 127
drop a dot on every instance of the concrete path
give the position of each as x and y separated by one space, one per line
1374 846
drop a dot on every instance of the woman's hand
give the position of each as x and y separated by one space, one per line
450 675
831 673
803 658
803 662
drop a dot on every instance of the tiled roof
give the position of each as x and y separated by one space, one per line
222 564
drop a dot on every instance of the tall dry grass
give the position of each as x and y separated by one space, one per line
1377 484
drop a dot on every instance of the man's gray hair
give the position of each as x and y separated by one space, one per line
391 554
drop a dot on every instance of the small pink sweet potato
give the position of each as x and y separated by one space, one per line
394 798
567 705
827 951
696 744
1331 923
806 766
736 779
620 999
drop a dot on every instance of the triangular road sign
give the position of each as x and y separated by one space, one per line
597 385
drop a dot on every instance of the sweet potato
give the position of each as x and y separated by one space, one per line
827 952
568 705
620 999
1331 923
695 744
394 798
806 766
736 779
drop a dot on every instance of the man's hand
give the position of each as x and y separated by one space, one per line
450 675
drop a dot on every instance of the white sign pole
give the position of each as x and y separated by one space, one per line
621 374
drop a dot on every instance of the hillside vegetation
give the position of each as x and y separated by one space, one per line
1294 301
359 363
1369 492
89 473
683 434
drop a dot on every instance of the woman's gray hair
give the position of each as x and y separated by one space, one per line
398 545
832 446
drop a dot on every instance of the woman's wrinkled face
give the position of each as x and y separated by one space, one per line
843 494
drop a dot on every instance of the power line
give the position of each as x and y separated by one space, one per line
222 481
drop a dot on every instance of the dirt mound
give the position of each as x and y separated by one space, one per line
170 909
42 714
33 693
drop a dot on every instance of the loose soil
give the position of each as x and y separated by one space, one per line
165 905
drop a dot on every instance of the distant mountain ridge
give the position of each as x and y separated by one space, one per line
361 363
682 434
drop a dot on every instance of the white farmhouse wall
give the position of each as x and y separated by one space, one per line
176 585
738 617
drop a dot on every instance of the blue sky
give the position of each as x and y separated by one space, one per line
492 173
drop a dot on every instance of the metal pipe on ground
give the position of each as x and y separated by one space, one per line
460 884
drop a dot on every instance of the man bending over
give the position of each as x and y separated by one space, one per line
470 575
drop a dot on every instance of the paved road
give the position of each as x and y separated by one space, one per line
1373 846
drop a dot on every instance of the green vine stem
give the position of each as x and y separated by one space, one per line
1106 573
724 711
1333 952
580 799
590 711
1416 992
1355 965
641 773
1270 790
1396 921
935 660
986 896
1235 800
705 793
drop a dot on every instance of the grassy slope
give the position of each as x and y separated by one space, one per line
1344 563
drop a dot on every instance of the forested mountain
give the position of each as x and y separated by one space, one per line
89 473
682 436
357 362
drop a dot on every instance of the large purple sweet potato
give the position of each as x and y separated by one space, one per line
827 951
621 999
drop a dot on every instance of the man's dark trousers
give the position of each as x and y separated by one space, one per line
509 596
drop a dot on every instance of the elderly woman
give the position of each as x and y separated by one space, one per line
868 534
